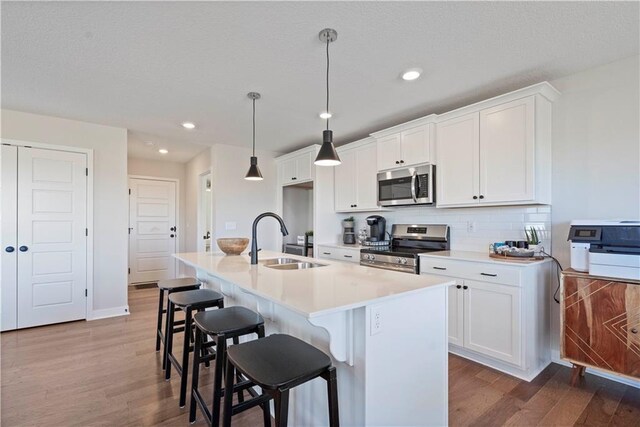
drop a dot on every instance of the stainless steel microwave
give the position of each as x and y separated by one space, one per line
407 186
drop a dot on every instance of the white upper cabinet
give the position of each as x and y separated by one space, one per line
497 152
405 145
355 179
506 152
458 160
297 166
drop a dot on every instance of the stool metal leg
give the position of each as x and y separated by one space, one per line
282 407
185 355
168 340
159 329
221 359
228 394
332 391
195 375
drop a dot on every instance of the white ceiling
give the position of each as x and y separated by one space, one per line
148 66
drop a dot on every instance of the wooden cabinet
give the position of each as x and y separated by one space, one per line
355 187
404 146
496 152
498 314
297 167
339 253
600 323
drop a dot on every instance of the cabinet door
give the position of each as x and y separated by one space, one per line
456 315
304 166
457 142
601 324
415 146
365 177
507 152
389 152
288 171
492 320
345 182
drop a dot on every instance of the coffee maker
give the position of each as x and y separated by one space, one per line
377 228
348 232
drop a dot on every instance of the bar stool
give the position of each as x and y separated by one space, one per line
277 364
222 325
170 286
187 301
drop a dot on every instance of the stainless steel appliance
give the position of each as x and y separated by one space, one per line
606 248
407 186
377 228
407 242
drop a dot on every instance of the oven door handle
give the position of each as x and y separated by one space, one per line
414 178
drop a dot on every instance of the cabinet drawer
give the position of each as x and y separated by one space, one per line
487 272
339 254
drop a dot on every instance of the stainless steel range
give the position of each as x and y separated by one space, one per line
407 242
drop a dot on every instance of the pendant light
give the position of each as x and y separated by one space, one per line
254 172
327 156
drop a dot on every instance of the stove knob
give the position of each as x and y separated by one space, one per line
398 260
372 257
403 261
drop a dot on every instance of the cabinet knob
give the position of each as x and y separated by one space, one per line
401 161
294 178
23 248
459 286
465 287
475 197
481 196
397 162
9 249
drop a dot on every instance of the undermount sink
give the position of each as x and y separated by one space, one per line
278 261
289 264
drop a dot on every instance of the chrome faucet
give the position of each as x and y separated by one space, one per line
254 242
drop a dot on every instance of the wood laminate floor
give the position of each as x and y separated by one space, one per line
106 372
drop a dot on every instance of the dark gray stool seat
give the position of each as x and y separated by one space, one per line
170 286
196 298
222 325
187 301
278 363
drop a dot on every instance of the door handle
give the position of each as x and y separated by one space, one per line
9 249
439 268
23 248
414 196
490 275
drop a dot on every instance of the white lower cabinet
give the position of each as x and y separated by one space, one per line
339 253
498 314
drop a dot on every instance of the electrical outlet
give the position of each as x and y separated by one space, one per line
231 225
471 226
376 320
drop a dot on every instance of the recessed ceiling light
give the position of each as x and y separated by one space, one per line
148 143
188 125
325 115
163 151
411 74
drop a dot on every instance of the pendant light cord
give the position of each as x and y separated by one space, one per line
327 79
254 127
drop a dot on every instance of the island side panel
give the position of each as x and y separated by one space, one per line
308 404
407 361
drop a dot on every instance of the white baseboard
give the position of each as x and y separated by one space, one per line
108 312
607 375
499 365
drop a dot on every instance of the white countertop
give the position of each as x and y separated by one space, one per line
338 286
479 257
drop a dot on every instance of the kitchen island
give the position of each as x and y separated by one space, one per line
385 331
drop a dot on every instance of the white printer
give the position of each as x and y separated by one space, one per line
606 248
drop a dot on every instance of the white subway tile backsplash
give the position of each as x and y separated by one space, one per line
491 224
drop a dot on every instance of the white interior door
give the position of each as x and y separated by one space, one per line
152 230
9 237
52 241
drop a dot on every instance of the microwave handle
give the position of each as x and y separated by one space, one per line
414 195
